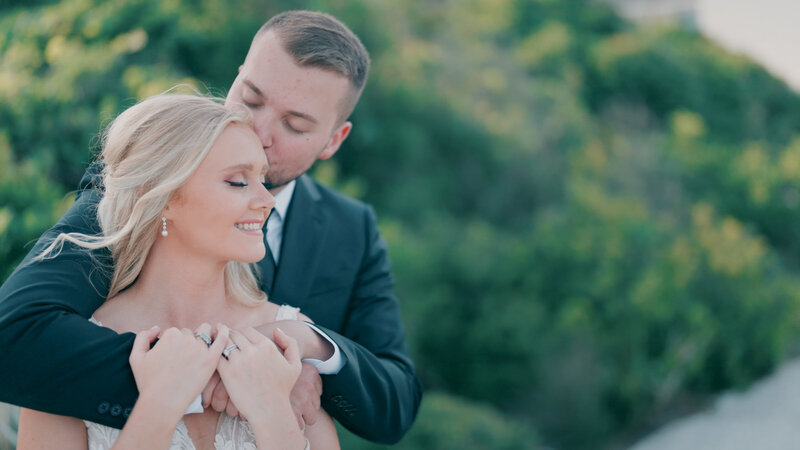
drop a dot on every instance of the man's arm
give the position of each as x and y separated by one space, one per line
51 358
376 394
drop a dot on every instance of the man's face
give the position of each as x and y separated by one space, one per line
294 108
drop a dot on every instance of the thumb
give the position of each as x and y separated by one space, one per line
289 346
143 340
221 341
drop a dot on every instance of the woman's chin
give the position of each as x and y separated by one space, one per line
251 256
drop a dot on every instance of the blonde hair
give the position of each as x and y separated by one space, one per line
149 152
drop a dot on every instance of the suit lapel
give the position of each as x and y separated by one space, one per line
303 232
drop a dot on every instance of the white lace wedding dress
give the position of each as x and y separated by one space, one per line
233 433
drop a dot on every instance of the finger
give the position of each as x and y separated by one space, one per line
231 409
289 346
315 376
253 335
221 341
144 338
205 329
208 391
219 400
313 413
239 339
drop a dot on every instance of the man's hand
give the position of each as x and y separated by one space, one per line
305 396
216 396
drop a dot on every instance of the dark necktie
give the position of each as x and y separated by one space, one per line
269 261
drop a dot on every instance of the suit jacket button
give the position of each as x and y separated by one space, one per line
103 407
116 410
127 412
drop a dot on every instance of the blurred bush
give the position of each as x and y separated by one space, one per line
589 221
445 421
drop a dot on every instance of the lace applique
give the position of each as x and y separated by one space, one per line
100 437
234 433
286 312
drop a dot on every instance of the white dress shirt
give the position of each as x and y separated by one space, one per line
332 365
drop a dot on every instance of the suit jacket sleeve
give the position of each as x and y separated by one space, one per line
376 394
51 358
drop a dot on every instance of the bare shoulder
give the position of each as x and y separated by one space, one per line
121 314
253 316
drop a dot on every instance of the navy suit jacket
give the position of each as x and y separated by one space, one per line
334 266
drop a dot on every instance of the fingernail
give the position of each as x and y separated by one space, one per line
279 329
155 327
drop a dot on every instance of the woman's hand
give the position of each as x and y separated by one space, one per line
173 373
260 374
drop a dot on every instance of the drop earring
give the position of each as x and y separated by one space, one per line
164 226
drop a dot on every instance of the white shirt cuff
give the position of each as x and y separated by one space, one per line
196 406
332 365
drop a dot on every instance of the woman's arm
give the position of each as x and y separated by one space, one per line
39 430
322 435
264 402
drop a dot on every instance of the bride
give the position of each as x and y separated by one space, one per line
182 211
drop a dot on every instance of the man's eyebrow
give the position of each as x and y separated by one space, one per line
304 116
254 88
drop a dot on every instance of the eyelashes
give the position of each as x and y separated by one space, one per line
236 183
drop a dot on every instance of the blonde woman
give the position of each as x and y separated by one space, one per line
182 211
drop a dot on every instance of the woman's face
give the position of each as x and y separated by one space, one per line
221 209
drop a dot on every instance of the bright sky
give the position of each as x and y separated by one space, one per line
766 30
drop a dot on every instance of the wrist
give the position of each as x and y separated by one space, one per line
160 406
277 425
315 346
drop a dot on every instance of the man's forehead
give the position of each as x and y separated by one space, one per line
292 107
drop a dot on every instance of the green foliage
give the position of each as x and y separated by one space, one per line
588 220
445 421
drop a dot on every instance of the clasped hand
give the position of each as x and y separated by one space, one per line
177 368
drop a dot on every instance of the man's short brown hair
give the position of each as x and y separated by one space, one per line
319 40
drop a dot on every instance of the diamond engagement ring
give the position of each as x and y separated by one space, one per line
206 338
228 350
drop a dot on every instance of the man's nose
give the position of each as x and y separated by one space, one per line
263 130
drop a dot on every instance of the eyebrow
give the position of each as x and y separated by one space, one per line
243 166
299 114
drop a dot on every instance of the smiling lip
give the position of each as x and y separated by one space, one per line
252 227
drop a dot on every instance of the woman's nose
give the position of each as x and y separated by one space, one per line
263 199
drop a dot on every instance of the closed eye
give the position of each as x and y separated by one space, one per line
291 128
236 183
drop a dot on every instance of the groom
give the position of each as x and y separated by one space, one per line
301 79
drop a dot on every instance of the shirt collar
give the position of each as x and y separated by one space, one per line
283 198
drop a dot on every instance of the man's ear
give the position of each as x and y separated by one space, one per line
338 136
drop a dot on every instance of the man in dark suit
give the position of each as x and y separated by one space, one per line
301 79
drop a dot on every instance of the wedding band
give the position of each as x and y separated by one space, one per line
206 338
228 350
